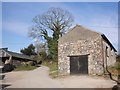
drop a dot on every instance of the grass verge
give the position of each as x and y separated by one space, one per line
25 68
114 72
53 66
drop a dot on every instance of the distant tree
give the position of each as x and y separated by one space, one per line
30 50
40 47
55 21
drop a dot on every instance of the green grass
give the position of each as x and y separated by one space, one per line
117 66
53 66
25 68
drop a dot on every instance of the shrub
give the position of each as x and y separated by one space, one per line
43 55
23 68
49 57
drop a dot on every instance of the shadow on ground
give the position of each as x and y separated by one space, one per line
2 86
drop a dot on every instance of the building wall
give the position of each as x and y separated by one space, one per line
111 56
13 60
81 47
16 63
3 53
0 53
21 62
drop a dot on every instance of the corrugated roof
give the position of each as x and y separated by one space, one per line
18 55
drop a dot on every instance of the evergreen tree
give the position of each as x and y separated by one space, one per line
30 50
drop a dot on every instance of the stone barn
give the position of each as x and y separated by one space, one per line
83 51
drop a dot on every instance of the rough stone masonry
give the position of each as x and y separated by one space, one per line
81 41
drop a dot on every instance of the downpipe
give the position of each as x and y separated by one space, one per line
116 87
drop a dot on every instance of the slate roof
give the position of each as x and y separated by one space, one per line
105 38
81 33
18 55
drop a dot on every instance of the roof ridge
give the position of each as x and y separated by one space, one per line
89 29
78 25
16 52
20 55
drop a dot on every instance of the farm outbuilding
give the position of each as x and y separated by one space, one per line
16 59
83 51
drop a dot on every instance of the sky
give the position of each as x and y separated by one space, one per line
17 20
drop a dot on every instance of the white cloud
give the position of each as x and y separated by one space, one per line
16 27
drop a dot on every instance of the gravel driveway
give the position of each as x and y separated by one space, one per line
39 78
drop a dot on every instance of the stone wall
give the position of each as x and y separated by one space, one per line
81 47
110 57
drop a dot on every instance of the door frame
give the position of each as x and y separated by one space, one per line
79 56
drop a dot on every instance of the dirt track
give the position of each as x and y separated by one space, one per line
39 78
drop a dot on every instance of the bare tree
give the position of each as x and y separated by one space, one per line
50 26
